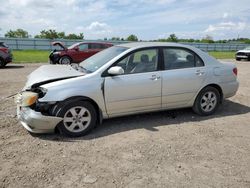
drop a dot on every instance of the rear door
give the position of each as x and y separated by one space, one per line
182 77
94 48
139 88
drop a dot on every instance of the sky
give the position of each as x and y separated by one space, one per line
147 19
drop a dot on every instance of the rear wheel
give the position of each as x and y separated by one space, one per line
79 117
207 101
65 60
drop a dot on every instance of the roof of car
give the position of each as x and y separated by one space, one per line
150 44
94 42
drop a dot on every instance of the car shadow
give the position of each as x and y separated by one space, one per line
12 67
151 121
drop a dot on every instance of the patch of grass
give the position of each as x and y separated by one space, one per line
222 55
30 56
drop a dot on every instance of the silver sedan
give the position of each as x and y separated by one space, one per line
124 79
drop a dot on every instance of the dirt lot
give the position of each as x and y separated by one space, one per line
164 149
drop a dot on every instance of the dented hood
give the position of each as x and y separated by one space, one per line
51 73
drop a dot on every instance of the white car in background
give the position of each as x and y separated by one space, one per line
243 54
125 79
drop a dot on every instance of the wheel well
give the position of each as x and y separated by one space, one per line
81 98
67 57
218 88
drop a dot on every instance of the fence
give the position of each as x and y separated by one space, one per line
45 44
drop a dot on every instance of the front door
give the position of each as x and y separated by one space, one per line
83 52
138 89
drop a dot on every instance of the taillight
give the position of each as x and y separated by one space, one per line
235 71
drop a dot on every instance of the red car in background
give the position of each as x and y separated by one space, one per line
76 53
5 54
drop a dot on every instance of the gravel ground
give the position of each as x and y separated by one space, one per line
163 149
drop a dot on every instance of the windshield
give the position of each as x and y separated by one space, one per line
98 60
73 46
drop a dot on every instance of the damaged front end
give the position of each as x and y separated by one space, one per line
36 116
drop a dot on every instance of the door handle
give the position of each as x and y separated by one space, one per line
199 72
155 77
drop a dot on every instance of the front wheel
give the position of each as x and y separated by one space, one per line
65 60
207 101
79 117
238 59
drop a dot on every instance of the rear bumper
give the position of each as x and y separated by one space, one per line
35 122
229 89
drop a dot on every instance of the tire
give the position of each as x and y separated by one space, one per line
207 101
238 59
65 60
2 63
79 117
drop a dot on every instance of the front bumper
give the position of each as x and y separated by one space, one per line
8 59
35 122
54 58
242 56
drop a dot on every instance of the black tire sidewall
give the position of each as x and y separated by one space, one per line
62 109
197 107
2 63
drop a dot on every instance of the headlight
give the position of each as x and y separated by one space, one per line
26 98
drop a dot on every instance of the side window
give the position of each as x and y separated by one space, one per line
198 62
83 47
175 58
103 46
95 46
140 61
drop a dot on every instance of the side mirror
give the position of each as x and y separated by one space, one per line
116 70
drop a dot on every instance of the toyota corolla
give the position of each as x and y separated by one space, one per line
122 80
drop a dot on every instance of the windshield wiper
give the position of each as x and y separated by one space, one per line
84 69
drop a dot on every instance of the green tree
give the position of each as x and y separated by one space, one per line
61 35
74 36
53 34
172 38
207 39
19 33
132 38
48 34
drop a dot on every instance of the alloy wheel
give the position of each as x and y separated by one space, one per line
208 101
77 119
